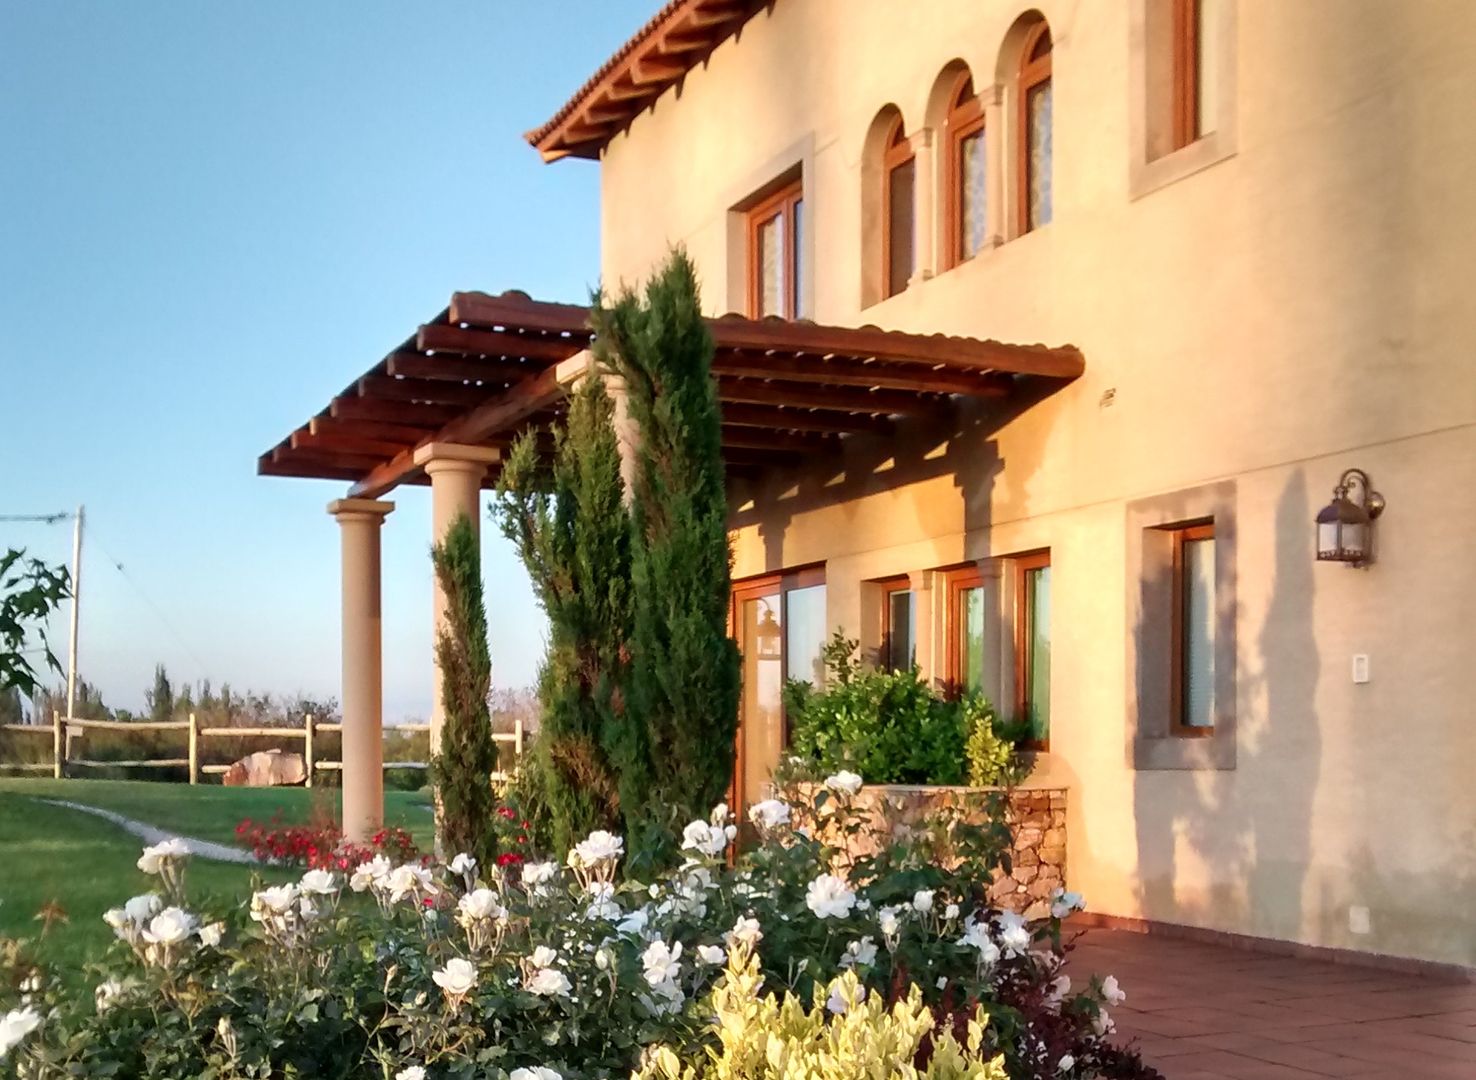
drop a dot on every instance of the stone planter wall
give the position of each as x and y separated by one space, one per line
1037 820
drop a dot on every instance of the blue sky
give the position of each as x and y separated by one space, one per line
212 217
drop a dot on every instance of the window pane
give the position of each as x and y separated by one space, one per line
804 633
1207 56
796 262
901 630
1038 653
978 641
1199 633
1039 165
972 223
770 260
899 226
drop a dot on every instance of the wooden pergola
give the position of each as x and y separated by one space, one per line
489 367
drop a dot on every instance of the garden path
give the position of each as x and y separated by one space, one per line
150 834
1200 1011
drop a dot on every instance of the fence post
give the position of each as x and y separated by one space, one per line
517 742
56 745
194 750
307 749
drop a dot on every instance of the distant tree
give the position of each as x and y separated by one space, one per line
572 531
161 697
12 706
29 591
685 669
462 770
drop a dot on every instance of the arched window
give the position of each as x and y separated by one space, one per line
967 163
1034 125
898 183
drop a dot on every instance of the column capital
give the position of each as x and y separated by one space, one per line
360 510
455 457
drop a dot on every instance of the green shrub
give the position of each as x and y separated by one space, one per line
892 728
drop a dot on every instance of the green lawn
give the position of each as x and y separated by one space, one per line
211 812
84 865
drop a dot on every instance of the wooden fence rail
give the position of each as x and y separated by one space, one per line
64 729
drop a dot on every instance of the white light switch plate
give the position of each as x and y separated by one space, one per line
1360 667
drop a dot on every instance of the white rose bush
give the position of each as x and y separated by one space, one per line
570 969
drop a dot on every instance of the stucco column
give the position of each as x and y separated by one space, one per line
581 366
359 521
926 613
924 189
997 194
456 472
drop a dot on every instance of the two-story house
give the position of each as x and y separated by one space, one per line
1242 231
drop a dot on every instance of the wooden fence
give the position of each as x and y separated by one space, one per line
63 729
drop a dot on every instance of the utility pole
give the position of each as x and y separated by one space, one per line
76 600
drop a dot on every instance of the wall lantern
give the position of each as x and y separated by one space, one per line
768 637
1345 525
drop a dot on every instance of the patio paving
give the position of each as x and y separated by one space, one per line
1212 1012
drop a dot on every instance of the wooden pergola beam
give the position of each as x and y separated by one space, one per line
831 399
755 439
338 442
456 368
481 310
838 371
367 429
782 419
393 412
456 339
433 391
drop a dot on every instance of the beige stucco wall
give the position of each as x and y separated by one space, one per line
1297 308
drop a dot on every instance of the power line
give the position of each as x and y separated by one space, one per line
158 611
44 519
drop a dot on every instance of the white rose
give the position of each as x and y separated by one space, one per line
661 962
845 782
829 897
15 1026
705 838
457 977
141 909
107 993
860 952
1014 935
712 955
414 1072
410 880
155 855
837 1002
535 874
464 865
1066 1064
769 814
888 921
276 900
170 927
1103 1024
922 901
212 935
547 982
319 882
371 873
745 931
950 912
543 957
1059 989
1063 903
537 1072
480 904
635 922
599 846
1114 994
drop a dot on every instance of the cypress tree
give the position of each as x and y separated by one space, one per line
571 529
684 667
463 768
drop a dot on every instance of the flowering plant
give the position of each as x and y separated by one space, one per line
320 846
564 969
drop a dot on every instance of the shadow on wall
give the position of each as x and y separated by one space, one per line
957 441
1230 849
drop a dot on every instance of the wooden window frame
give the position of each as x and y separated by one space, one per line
889 586
1178 701
1186 47
787 201
958 581
898 152
1024 627
965 119
783 582
1032 74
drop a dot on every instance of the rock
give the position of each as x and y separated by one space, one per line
266 768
